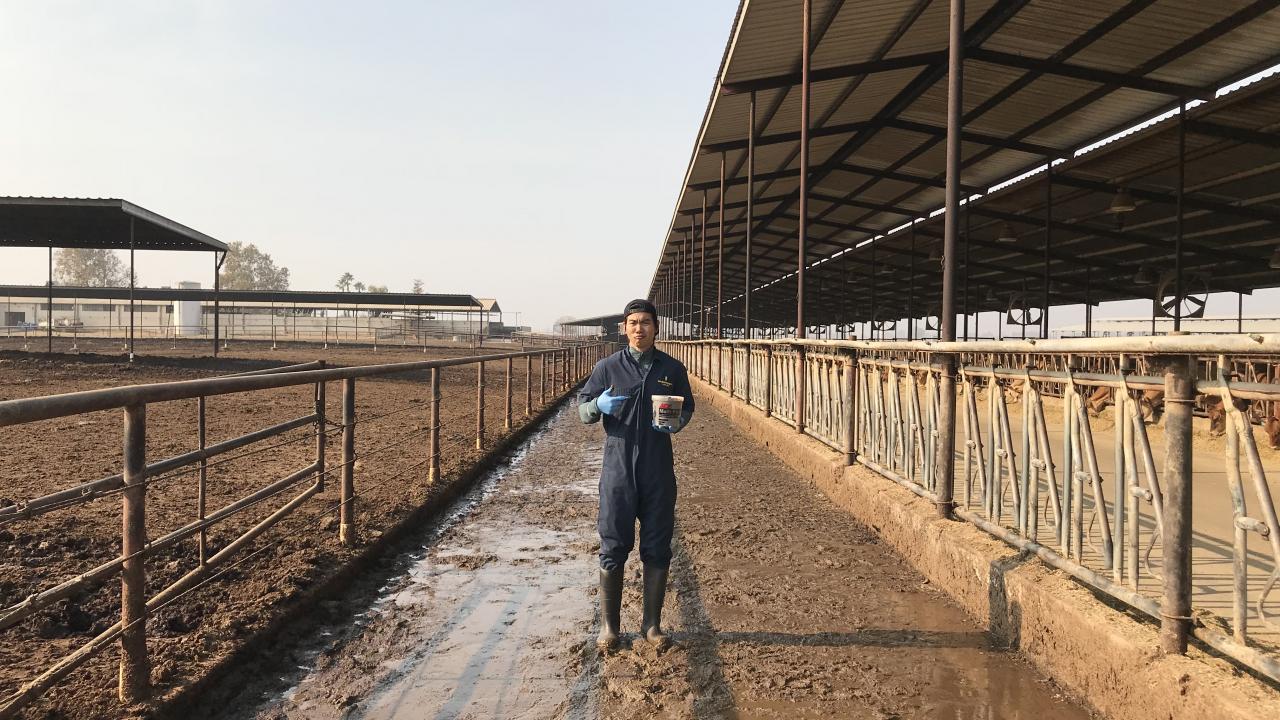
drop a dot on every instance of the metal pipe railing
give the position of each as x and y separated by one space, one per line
139 476
1106 510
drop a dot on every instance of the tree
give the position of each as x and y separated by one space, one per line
248 268
85 267
378 289
417 286
344 282
358 286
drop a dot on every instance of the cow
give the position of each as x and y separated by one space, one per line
1217 412
1150 403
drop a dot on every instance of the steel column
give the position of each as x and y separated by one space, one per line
1048 240
1175 611
751 191
720 259
133 280
944 460
803 230
480 406
433 446
49 318
1177 249
702 271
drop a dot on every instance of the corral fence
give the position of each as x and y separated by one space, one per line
558 370
1027 455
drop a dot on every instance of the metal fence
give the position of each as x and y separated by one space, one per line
558 370
1079 451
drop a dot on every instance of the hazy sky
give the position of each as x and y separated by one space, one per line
529 151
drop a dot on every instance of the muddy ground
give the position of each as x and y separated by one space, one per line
193 634
782 607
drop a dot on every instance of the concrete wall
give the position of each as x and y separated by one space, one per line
1106 657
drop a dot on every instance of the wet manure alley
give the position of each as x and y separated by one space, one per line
781 605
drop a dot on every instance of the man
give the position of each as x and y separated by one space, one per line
638 480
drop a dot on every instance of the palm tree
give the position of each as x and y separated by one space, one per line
344 282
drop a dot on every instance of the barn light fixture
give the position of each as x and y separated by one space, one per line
1275 259
1145 276
991 296
1122 202
1005 233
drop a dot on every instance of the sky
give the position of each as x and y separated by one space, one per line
528 151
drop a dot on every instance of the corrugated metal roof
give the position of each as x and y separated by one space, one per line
1114 52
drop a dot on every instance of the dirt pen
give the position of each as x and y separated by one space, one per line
239 494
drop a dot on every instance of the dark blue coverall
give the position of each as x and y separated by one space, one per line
638 479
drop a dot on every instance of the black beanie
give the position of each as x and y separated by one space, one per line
640 305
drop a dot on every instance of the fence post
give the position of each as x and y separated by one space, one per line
846 392
768 381
528 385
135 668
802 382
202 541
346 507
1175 611
321 428
506 423
480 405
433 445
944 458
542 379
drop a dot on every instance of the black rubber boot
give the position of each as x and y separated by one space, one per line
655 592
610 608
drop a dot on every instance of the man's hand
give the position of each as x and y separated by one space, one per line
610 404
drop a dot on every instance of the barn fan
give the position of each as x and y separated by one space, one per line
1195 295
1020 313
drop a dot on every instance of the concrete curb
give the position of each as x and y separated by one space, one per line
1104 656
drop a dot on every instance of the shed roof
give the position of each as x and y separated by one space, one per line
1043 80
99 223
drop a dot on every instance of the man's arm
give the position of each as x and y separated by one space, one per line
596 384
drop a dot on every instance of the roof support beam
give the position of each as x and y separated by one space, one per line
895 123
837 72
1227 132
1252 212
1091 74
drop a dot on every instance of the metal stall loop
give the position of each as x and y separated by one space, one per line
1068 449
142 476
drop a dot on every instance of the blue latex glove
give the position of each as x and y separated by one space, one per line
610 404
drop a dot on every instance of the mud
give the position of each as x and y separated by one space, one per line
490 616
200 631
782 606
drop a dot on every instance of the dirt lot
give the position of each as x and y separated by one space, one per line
187 638
782 607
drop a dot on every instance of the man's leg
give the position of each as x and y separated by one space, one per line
617 525
657 512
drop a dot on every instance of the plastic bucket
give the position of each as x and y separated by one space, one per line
666 411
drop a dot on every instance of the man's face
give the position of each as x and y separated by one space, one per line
641 330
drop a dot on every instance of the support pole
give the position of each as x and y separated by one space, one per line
133 280
49 330
702 272
945 457
803 230
1048 240
720 259
751 191
347 500
1175 611
135 667
217 290
1178 284
911 285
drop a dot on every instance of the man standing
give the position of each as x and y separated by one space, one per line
638 480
